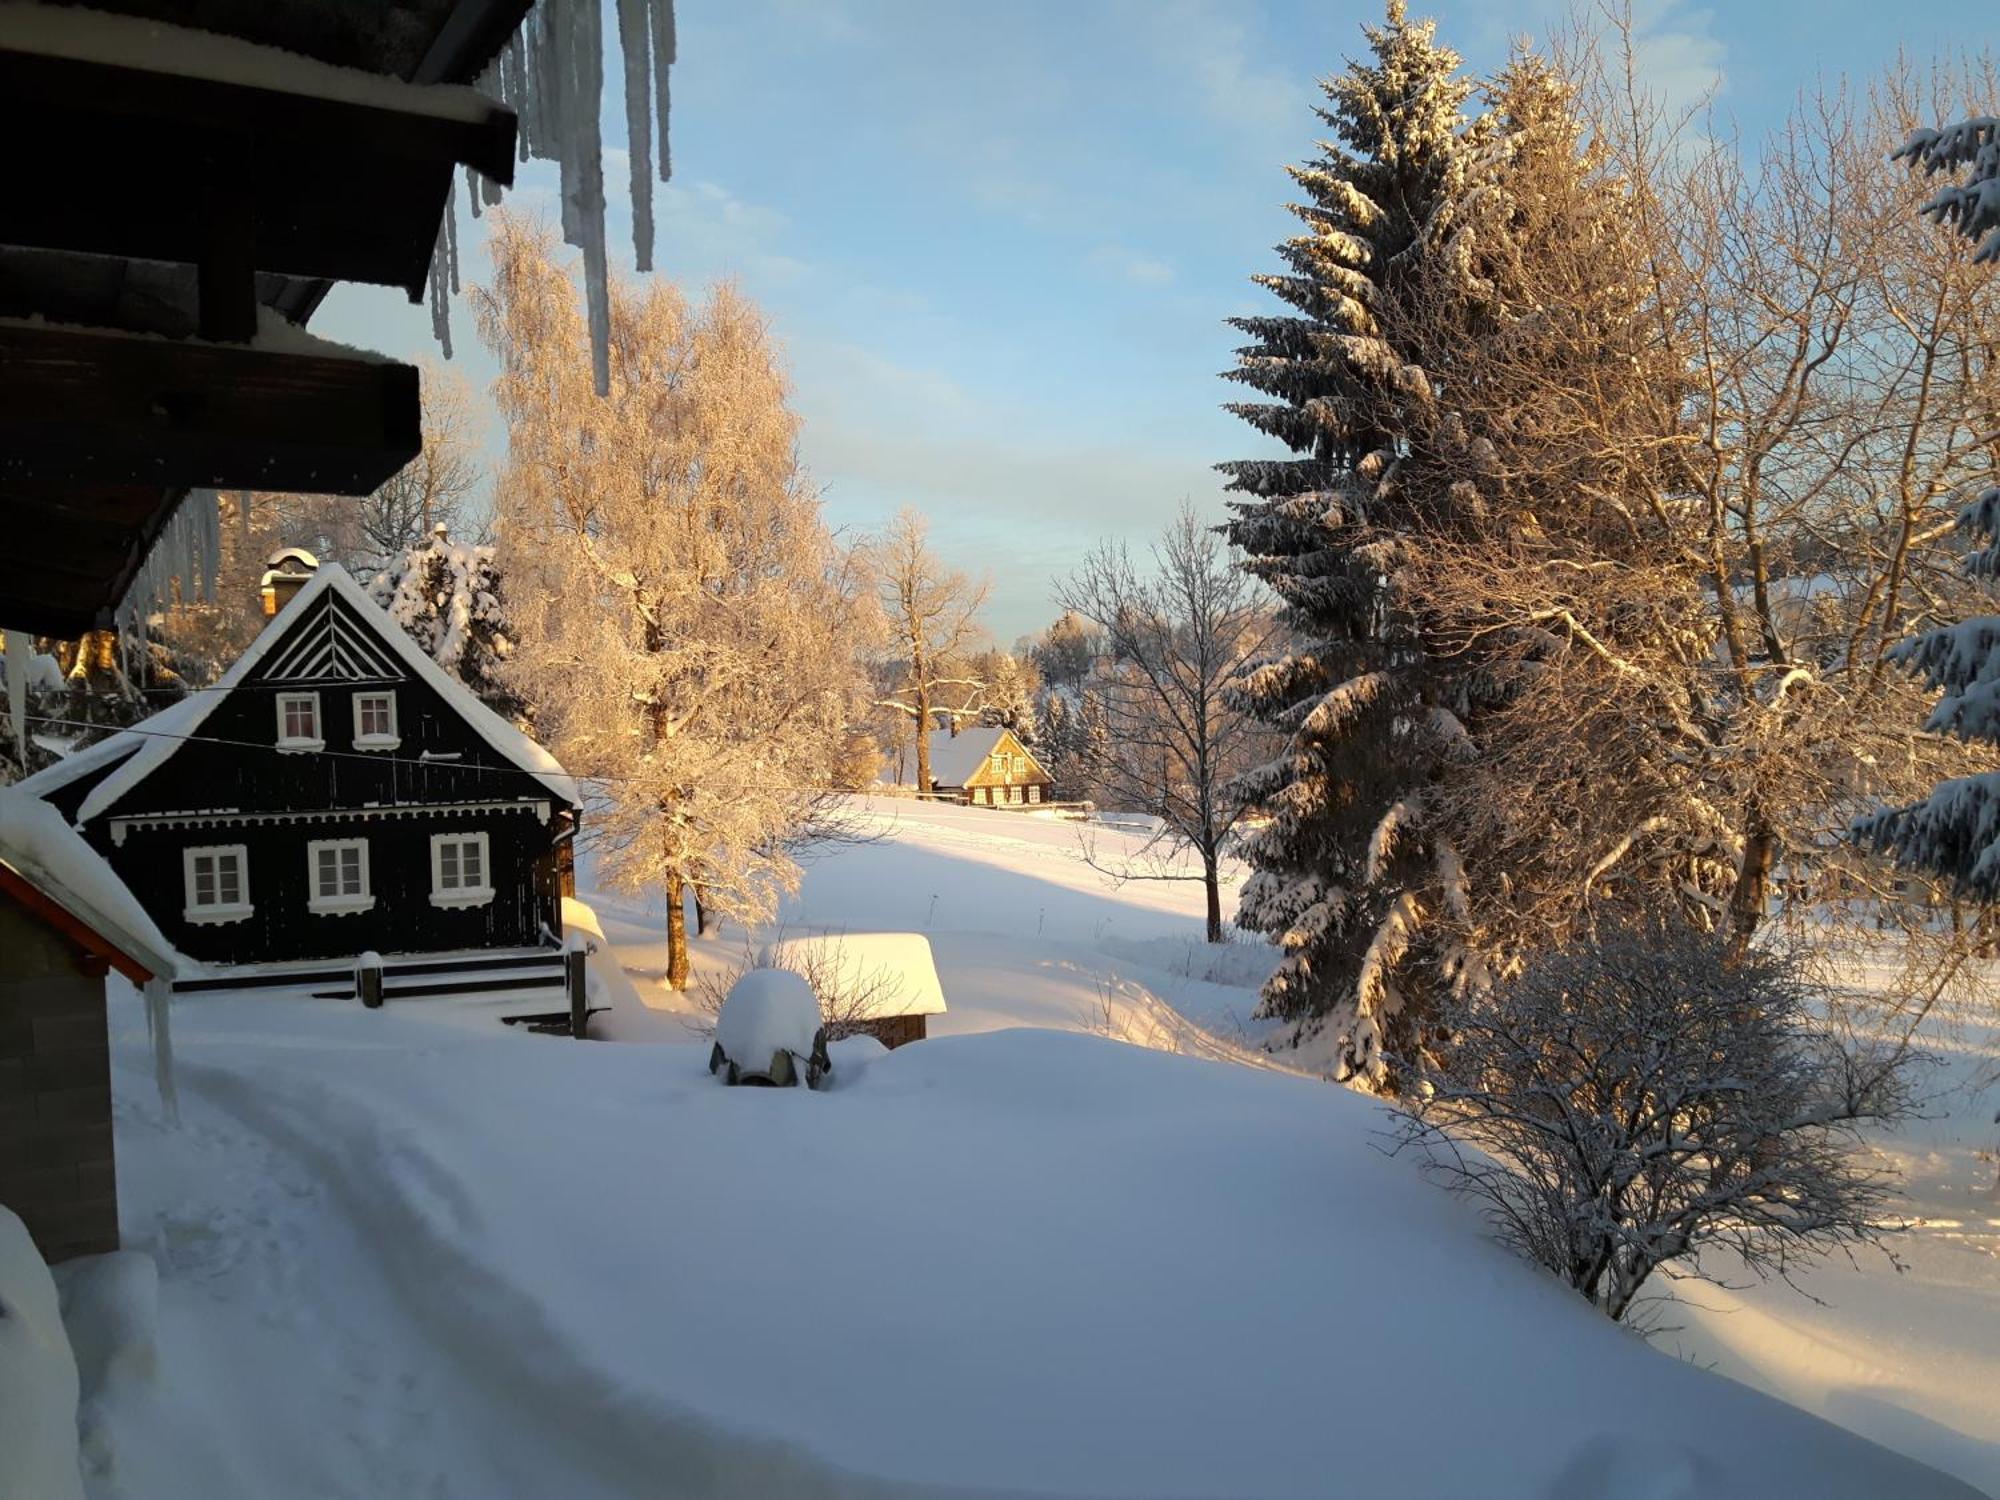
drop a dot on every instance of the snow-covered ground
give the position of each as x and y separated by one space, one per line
410 1252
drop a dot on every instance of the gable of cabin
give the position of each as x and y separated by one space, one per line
1009 763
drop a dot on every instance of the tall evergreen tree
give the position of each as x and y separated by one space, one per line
1328 530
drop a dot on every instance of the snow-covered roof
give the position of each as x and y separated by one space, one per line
73 31
39 846
875 975
145 746
955 758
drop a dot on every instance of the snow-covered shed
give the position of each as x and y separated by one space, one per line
879 984
987 767
66 922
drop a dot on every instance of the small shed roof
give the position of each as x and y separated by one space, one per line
50 858
878 974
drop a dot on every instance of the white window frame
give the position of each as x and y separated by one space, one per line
997 763
1034 791
217 911
293 742
461 895
389 741
339 903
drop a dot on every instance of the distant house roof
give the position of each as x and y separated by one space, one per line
147 744
955 758
44 860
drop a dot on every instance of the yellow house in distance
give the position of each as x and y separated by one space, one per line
981 767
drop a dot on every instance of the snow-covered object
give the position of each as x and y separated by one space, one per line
72 31
1972 207
50 855
766 1012
876 974
38 1386
447 597
146 745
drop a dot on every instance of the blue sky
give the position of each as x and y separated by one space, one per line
999 241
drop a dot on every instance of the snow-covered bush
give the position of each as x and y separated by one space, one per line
38 1386
1639 1105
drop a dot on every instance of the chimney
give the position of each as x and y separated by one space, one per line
291 569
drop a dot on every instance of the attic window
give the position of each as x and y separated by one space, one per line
298 722
999 765
375 721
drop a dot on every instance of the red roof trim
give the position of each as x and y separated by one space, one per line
86 937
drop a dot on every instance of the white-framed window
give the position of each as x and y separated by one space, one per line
1020 764
1014 795
1034 791
461 870
999 764
218 882
979 794
298 722
375 722
337 876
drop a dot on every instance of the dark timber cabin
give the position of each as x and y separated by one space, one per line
336 793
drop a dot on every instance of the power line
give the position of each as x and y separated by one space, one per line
374 757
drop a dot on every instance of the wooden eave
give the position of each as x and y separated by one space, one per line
81 934
102 412
160 166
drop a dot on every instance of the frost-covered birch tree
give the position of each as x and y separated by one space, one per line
933 615
1174 635
688 631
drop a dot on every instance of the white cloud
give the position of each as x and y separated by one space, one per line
1132 266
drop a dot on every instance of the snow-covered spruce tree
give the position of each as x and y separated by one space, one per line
448 598
687 632
1956 830
1337 877
1494 703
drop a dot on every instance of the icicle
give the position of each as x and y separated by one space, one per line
159 993
664 43
472 190
633 19
551 74
20 646
440 297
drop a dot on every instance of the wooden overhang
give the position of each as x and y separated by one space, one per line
207 212
163 166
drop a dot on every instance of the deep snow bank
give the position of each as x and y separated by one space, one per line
37 1377
1019 1262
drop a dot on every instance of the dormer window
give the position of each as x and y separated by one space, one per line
298 722
375 722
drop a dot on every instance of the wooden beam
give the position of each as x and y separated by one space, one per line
124 164
88 408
